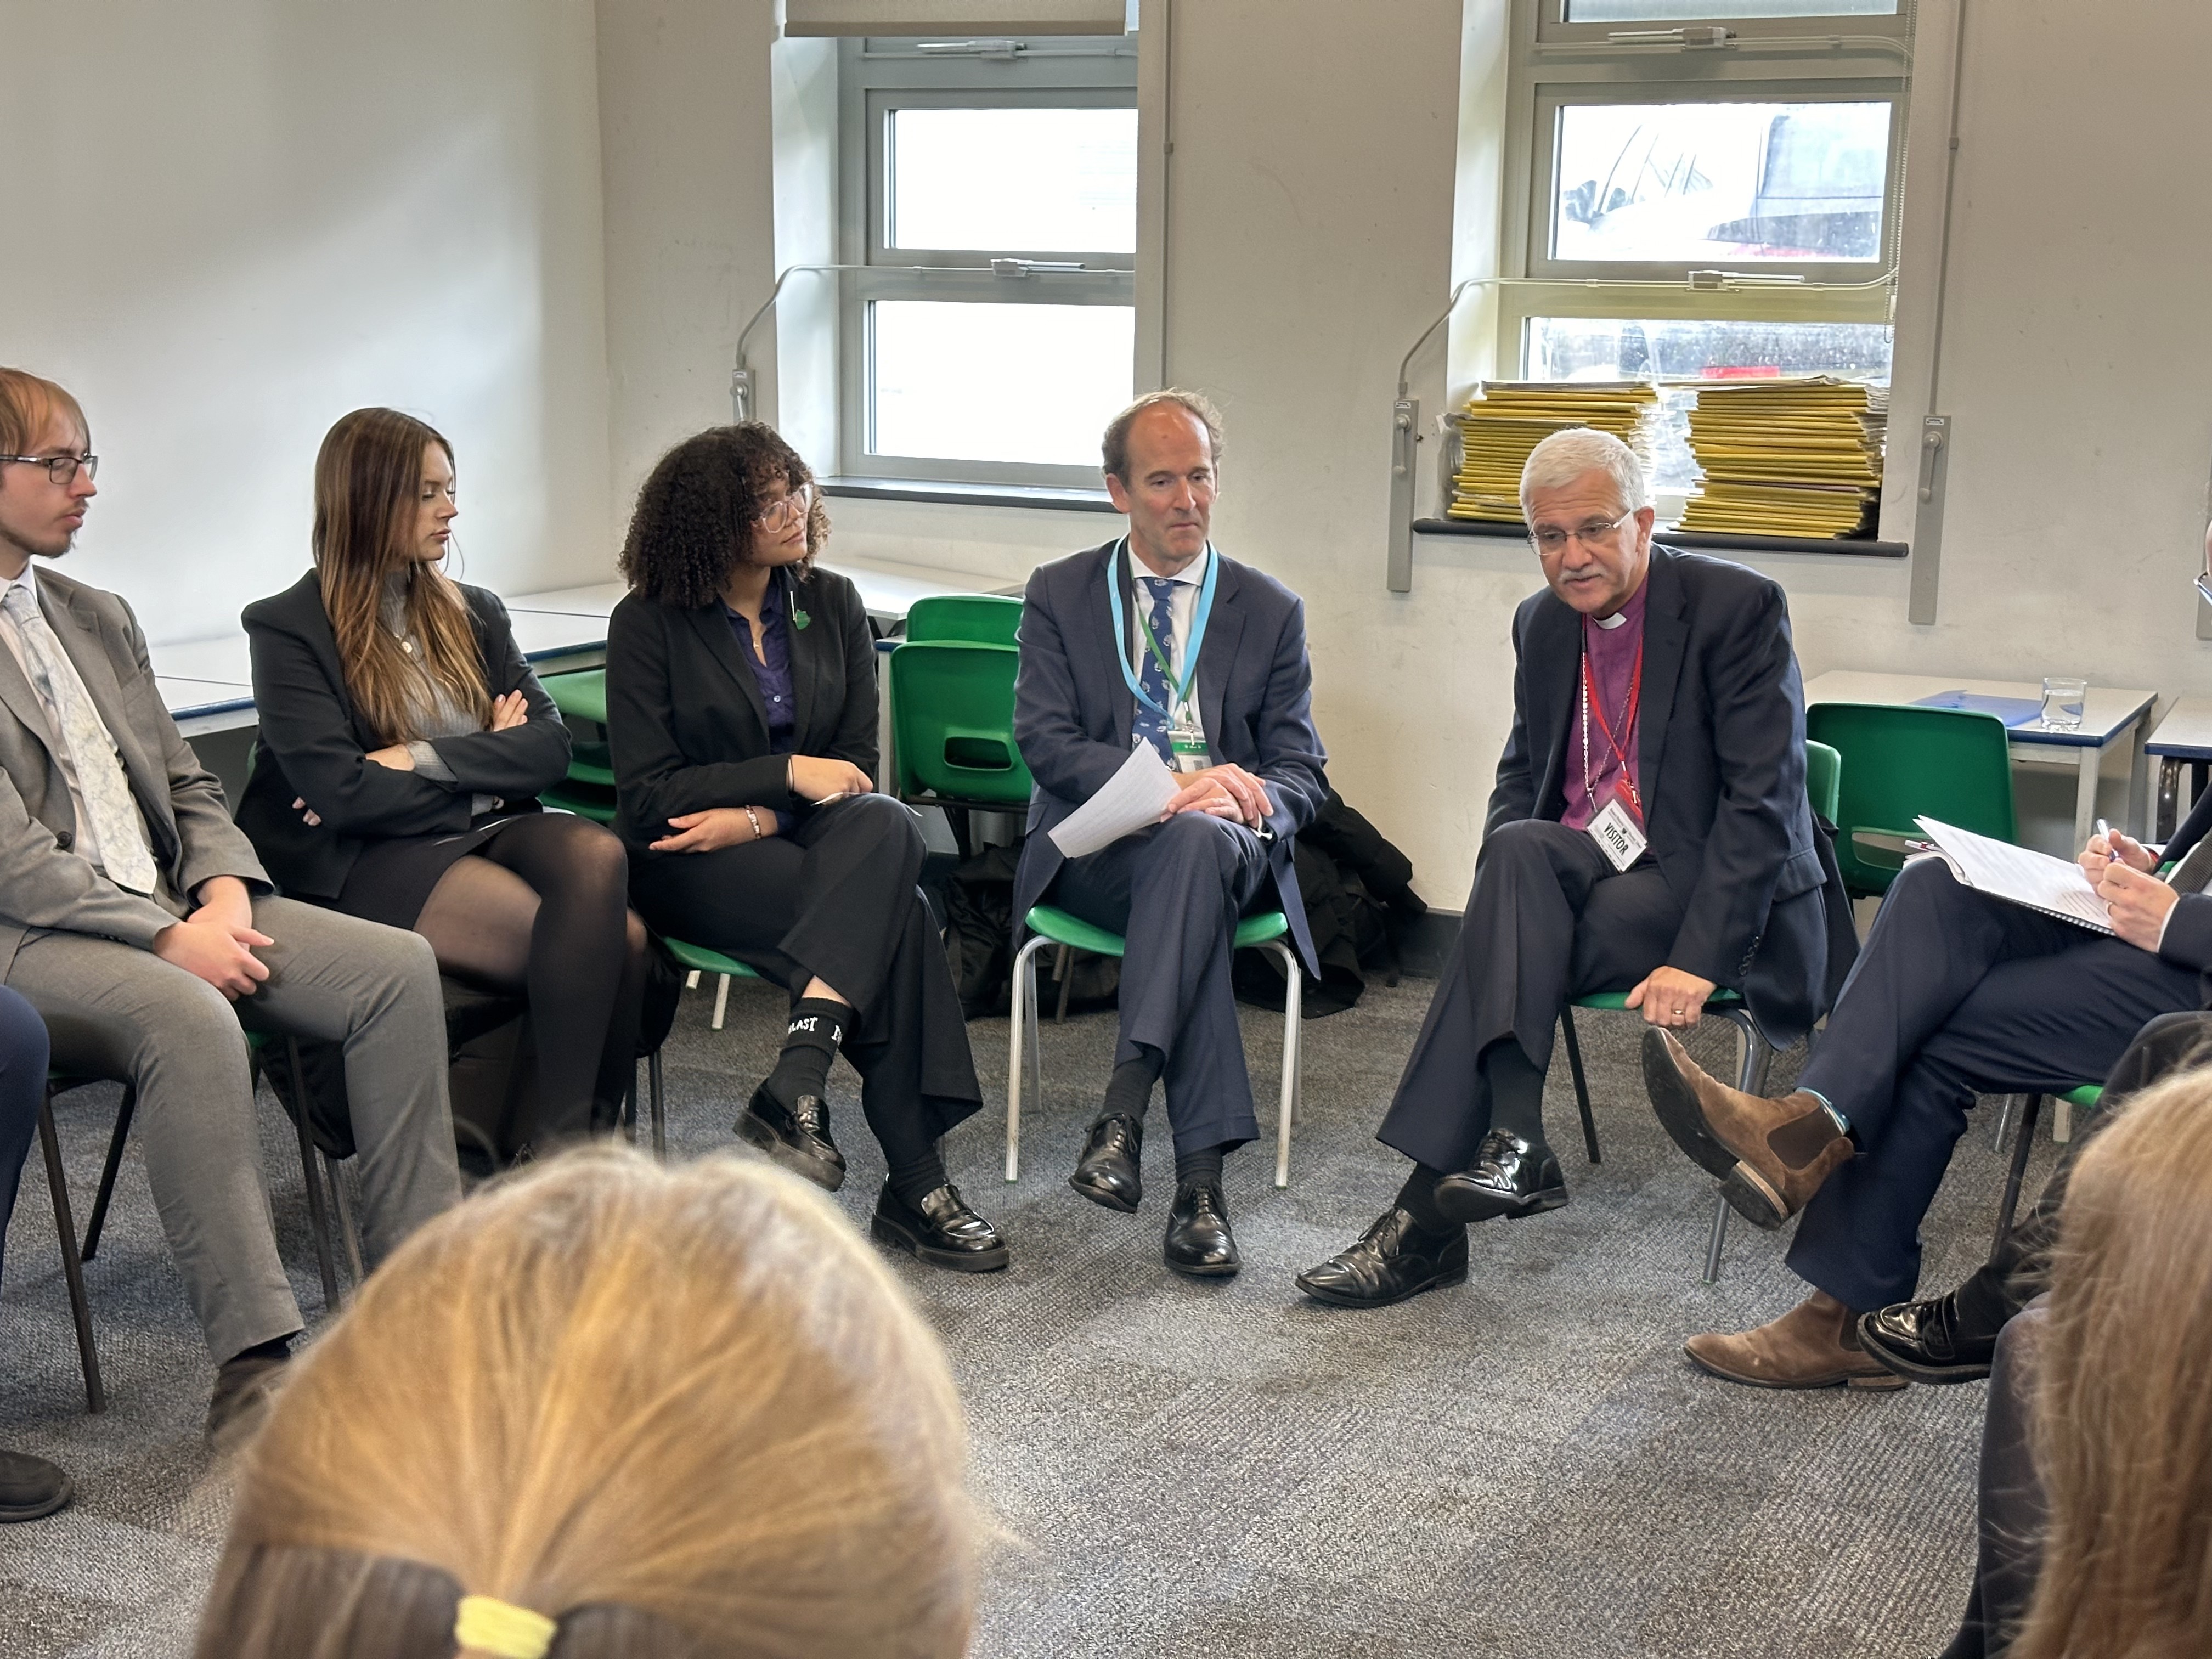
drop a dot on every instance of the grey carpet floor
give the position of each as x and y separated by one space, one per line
1526 1466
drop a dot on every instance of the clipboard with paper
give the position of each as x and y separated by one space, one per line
2019 875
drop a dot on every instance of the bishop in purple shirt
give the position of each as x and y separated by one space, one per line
1648 833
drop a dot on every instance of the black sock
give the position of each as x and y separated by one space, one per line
913 1178
1198 1168
1129 1091
1515 1088
1418 1199
810 1043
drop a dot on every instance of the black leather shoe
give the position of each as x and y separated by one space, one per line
1393 1260
1925 1342
942 1231
1199 1242
798 1140
1511 1178
245 1387
30 1486
1107 1173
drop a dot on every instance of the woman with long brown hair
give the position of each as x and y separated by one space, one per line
741 711
403 741
610 1408
2123 1432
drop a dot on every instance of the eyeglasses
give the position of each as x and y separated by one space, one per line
60 468
799 503
1550 542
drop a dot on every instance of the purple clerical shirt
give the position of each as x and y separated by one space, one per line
1613 655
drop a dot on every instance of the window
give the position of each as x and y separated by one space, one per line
989 189
1768 164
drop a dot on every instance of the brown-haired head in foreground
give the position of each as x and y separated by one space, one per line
678 1410
695 511
2124 1418
1114 447
27 403
369 490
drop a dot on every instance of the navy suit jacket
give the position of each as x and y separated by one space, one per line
1074 716
1721 769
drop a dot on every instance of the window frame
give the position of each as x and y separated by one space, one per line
1554 64
877 76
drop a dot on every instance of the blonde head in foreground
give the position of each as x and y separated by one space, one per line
677 1411
2124 1433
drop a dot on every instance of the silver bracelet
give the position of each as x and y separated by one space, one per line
754 818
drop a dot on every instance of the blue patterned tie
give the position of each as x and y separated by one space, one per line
1151 727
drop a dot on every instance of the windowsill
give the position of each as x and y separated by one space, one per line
1696 541
971 494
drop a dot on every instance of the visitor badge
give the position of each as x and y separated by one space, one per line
1188 743
1615 831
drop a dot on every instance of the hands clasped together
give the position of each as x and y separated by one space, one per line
811 777
1223 792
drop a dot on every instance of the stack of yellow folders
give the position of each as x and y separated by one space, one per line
1793 457
1506 419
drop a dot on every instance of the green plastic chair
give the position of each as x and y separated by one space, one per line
1270 930
2084 1097
589 789
953 726
965 618
700 960
1901 761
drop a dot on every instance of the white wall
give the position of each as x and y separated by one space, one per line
231 221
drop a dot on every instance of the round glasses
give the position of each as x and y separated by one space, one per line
798 503
62 469
1600 538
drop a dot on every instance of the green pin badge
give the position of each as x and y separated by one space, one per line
799 618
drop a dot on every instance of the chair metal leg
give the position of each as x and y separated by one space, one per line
1719 1238
108 1171
1060 967
1582 1085
721 1004
659 1094
691 980
2004 1121
2023 1145
319 1219
348 1229
1021 1029
1293 1037
87 1357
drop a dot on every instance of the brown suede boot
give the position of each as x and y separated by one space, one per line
1770 1155
1815 1345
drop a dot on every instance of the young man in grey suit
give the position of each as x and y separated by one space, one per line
133 914
1156 639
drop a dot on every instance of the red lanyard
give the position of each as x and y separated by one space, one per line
1629 710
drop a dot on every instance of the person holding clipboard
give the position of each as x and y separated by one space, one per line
1156 639
1649 832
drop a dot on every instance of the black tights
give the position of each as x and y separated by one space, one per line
540 909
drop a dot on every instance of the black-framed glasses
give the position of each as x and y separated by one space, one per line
62 469
1599 536
799 501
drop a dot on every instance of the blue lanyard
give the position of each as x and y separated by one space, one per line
1181 693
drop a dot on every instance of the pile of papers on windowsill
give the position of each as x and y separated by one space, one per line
1800 455
1506 419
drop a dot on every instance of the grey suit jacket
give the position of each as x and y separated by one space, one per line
43 884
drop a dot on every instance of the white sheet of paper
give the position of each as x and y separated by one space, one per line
2021 875
1131 800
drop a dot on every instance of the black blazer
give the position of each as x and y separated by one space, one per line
684 716
315 743
1721 770
1073 715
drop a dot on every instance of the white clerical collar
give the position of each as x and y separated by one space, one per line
1614 621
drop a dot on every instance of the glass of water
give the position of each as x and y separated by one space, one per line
2061 702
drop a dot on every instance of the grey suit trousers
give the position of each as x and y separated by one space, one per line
115 1010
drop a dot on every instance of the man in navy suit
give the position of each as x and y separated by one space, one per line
1649 832
1156 638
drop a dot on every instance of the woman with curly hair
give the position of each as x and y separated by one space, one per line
741 711
403 741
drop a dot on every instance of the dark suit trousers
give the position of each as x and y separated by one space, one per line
2013 1507
1549 919
1174 892
22 1086
835 899
1955 994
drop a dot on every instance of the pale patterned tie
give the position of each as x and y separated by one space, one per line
107 801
